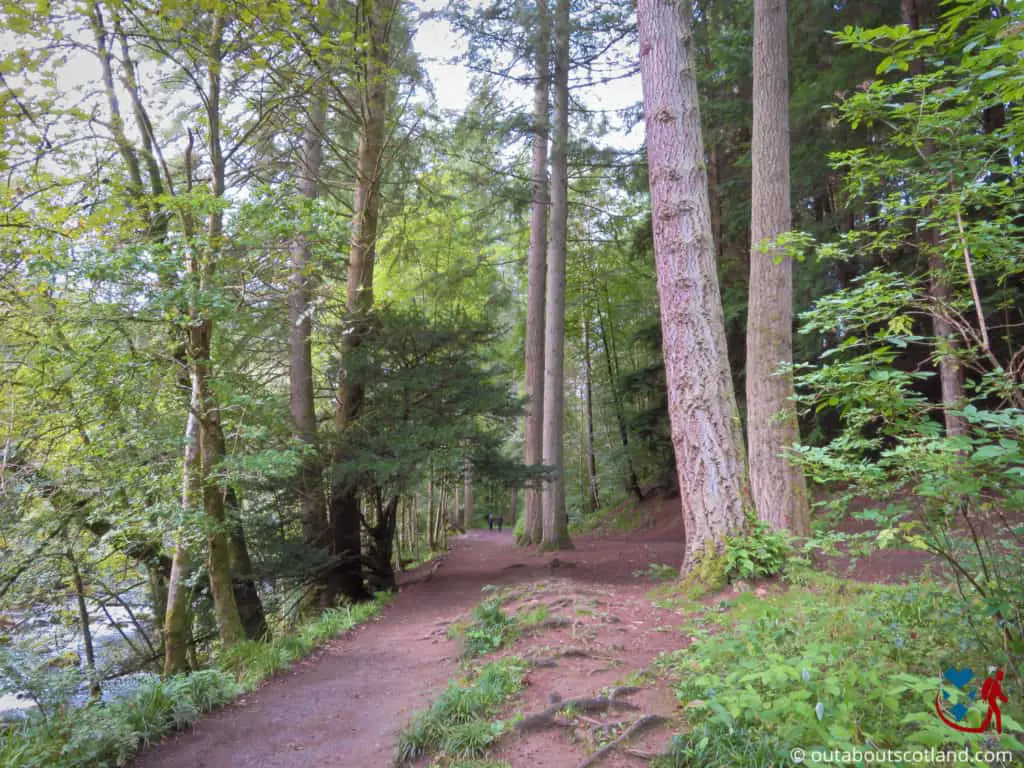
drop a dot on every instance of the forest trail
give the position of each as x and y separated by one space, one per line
345 706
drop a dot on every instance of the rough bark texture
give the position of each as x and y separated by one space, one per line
535 289
951 375
555 533
706 431
302 404
375 17
588 421
779 488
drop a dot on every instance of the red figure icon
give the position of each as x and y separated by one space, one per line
992 694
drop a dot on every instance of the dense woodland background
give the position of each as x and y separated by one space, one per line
274 324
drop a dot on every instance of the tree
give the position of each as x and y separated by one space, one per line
302 402
374 22
779 489
555 533
706 433
533 447
951 375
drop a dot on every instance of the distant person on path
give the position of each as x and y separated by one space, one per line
490 521
501 522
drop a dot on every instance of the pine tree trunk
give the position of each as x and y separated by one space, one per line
706 434
555 533
376 17
779 489
302 403
588 421
536 276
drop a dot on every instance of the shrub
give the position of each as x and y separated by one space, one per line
760 552
458 724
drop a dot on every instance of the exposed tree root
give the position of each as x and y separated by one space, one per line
645 722
547 718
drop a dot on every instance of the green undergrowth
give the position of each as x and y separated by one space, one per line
460 725
110 734
491 628
836 666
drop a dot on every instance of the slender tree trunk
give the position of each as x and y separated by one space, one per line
456 510
467 508
706 433
177 634
514 506
607 341
588 420
536 276
302 403
375 17
555 534
229 624
951 375
779 489
430 511
84 624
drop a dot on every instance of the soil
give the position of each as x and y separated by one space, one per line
344 706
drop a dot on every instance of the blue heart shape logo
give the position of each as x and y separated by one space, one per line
958 677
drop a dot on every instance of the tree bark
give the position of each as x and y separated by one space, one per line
778 486
706 433
177 634
302 402
951 375
229 624
536 276
555 533
467 508
588 421
374 21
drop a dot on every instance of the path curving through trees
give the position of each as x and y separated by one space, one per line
344 707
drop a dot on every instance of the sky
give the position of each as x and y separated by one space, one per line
439 48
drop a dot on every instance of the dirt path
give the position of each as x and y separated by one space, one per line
345 706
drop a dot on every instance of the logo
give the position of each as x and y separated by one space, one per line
953 708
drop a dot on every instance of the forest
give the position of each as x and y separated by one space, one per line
312 311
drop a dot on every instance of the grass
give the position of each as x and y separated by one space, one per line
490 628
838 665
460 724
658 572
100 734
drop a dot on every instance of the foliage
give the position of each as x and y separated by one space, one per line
947 187
459 723
658 572
489 629
759 552
830 669
110 734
